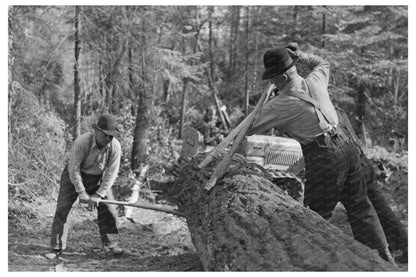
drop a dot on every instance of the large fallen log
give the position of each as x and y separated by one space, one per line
246 223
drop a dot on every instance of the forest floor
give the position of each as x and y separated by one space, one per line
155 242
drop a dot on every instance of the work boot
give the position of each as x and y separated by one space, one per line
403 258
112 248
55 253
386 255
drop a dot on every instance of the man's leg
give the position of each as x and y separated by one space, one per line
107 220
107 214
324 175
66 198
394 230
362 216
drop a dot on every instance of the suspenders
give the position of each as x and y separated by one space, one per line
323 115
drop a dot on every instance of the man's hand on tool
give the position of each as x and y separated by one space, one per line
93 202
83 197
292 48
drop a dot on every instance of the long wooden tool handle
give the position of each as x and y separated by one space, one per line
222 167
231 136
142 206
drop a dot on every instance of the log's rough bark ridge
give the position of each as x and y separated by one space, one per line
246 223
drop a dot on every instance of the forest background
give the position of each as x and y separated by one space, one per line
158 68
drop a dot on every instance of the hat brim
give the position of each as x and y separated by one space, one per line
270 73
113 133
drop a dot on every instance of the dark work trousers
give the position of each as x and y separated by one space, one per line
394 230
107 216
333 174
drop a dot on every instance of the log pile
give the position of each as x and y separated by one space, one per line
246 223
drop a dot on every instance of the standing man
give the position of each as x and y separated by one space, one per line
93 166
304 112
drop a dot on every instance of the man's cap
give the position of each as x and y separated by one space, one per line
277 61
108 124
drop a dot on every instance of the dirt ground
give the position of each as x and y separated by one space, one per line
155 242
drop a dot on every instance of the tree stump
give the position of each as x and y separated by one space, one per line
246 223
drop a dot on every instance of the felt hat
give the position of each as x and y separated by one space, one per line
107 123
277 61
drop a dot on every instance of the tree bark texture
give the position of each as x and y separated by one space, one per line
246 223
141 131
183 107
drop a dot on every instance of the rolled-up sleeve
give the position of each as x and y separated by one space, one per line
110 174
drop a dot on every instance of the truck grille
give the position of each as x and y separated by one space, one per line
281 158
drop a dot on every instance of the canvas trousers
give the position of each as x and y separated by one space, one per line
107 216
333 174
394 230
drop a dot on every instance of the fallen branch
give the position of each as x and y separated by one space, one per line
221 168
231 136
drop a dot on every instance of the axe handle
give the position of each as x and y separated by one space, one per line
222 167
248 121
142 206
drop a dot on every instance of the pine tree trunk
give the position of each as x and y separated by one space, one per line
246 223
323 27
256 47
131 74
183 108
211 58
141 129
166 94
247 94
10 66
77 91
140 147
235 41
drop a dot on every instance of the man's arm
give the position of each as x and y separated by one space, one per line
110 174
320 67
76 157
268 118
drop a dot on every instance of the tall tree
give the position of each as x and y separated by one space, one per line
77 90
235 36
323 27
210 42
247 93
140 149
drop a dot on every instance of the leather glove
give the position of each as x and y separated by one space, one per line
93 202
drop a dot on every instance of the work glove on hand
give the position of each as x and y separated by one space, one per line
93 202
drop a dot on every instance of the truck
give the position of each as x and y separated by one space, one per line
280 157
